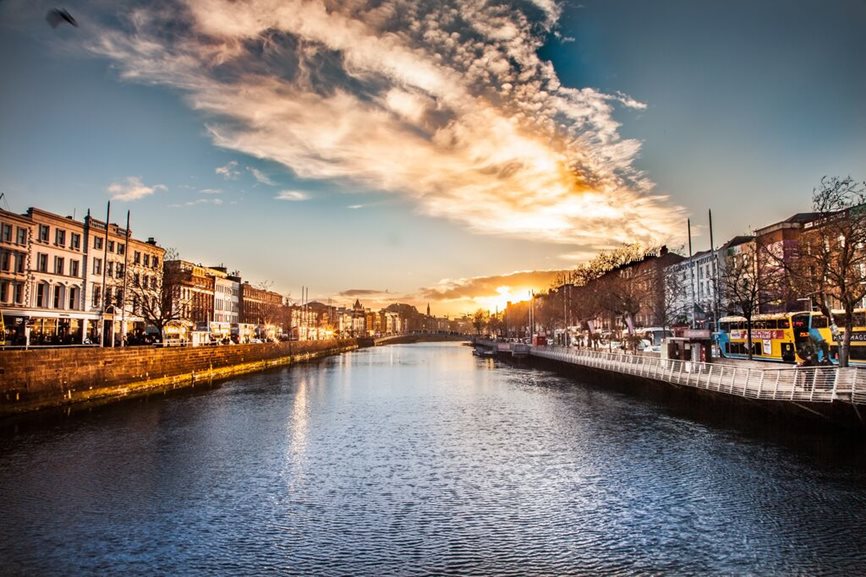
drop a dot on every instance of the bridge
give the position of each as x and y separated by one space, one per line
747 380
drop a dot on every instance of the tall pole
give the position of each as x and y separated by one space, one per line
125 276
691 273
716 295
104 271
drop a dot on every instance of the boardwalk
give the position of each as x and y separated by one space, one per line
771 382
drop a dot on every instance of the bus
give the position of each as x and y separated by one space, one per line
798 337
652 337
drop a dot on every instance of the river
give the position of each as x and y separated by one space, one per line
420 460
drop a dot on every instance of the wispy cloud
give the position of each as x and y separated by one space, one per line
445 103
363 293
292 195
132 189
229 171
210 191
198 202
261 177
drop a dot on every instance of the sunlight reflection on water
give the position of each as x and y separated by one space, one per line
418 459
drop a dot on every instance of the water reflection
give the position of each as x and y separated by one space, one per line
420 459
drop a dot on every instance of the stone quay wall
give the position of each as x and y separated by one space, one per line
53 377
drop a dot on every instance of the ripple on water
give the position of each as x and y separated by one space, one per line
418 460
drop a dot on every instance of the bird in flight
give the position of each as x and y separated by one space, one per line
57 16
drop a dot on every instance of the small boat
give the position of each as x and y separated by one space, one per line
483 352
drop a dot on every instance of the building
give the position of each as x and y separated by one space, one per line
778 248
190 290
64 281
261 307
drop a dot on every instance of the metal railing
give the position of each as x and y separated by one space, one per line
812 384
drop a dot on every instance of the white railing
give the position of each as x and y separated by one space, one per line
813 384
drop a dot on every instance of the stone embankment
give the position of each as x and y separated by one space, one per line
43 378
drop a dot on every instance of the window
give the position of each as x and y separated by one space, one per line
18 293
118 295
109 268
111 246
43 232
97 242
4 291
59 237
97 295
6 232
97 265
42 262
21 235
121 248
58 264
58 297
5 260
75 241
155 262
120 270
136 257
146 260
136 280
73 298
42 295
73 268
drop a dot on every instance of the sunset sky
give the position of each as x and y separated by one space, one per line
456 153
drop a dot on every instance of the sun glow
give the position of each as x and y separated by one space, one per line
504 295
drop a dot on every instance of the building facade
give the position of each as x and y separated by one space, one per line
63 281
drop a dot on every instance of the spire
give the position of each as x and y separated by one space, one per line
428 309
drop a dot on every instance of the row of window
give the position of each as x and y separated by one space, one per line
60 235
12 292
21 234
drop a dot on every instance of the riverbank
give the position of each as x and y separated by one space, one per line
818 399
49 378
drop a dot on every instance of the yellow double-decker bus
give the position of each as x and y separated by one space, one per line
798 337
857 352
773 338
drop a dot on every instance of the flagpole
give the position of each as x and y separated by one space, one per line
104 298
125 276
716 295
691 272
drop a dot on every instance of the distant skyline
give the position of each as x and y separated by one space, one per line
454 153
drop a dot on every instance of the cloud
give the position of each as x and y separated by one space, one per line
292 195
210 191
355 206
446 104
518 283
132 189
229 171
362 292
200 201
261 176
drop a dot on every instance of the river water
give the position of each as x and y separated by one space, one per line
420 460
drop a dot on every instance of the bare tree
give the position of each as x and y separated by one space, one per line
590 298
740 287
832 262
479 321
155 300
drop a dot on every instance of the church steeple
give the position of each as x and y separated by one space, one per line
428 309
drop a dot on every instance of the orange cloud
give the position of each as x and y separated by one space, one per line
448 105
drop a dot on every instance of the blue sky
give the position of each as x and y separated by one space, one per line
430 151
